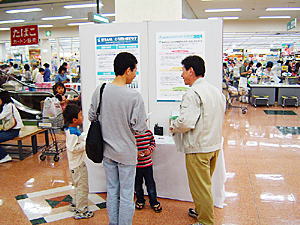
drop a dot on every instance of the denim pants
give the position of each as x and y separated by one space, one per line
6 136
120 192
147 174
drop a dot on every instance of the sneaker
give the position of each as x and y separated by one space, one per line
7 158
83 215
192 213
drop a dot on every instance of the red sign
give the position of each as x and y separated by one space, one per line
25 35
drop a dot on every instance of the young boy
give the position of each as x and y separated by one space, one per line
75 143
145 145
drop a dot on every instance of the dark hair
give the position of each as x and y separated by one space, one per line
55 86
225 65
258 65
71 111
16 66
46 65
61 68
196 62
26 67
11 63
251 63
64 64
41 70
5 97
269 64
123 61
34 65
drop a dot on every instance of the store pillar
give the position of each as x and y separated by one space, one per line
149 10
2 52
45 51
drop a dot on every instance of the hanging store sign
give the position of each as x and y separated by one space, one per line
292 24
24 35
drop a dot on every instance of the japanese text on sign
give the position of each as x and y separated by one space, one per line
24 35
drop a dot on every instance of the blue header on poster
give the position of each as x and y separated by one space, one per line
117 40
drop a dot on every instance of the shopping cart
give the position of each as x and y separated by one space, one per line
233 94
55 147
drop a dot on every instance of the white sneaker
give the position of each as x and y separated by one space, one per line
7 158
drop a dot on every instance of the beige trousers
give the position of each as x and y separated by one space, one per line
200 167
80 182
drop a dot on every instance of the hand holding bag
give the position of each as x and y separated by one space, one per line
94 141
10 123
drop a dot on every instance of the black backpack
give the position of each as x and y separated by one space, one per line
94 141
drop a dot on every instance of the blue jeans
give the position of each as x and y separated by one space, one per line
120 191
147 174
6 136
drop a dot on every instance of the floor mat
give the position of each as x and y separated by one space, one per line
53 204
280 112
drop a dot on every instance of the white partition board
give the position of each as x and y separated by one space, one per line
212 30
147 31
88 34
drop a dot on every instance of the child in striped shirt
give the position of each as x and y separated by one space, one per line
144 171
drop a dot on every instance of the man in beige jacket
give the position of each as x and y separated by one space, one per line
200 126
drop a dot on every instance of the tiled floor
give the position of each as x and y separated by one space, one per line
263 185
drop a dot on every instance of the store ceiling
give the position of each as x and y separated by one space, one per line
251 10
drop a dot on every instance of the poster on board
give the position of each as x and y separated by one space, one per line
107 47
171 49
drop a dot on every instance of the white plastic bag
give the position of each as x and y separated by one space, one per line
53 112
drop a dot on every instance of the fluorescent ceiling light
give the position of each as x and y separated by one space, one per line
91 5
274 17
77 24
4 28
11 21
45 25
79 18
23 10
223 10
108 14
224 18
57 18
283 9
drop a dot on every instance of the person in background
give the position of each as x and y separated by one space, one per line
122 114
198 130
11 68
27 74
66 66
258 69
47 73
268 72
75 143
144 171
61 76
34 73
250 66
59 90
40 76
243 69
7 110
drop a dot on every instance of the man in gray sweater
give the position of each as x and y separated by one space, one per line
122 115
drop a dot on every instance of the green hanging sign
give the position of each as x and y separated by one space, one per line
292 24
48 33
